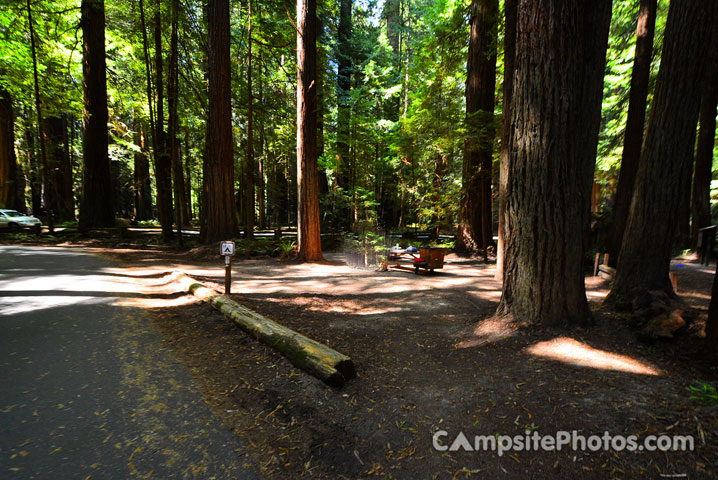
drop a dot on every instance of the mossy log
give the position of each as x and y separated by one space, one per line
315 358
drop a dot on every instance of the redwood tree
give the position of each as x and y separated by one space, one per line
701 198
96 208
667 153
10 195
344 75
173 125
309 239
635 121
510 14
143 188
475 231
218 202
249 167
163 161
560 57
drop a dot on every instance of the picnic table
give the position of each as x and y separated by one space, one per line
411 258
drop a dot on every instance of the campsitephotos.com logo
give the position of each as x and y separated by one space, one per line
533 440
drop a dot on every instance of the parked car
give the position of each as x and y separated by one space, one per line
12 220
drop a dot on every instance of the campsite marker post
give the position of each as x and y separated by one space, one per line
226 249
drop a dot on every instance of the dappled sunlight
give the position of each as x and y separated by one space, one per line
150 302
25 304
573 352
490 330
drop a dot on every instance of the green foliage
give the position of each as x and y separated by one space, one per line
703 393
405 121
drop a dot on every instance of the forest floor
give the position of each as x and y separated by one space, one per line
430 358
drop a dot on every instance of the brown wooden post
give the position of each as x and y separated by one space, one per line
227 275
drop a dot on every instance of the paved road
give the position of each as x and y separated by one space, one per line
87 389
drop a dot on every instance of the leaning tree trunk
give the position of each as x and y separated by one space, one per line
218 201
667 153
96 205
511 12
474 232
706 140
556 105
309 239
635 122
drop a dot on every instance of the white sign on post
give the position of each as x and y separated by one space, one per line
227 249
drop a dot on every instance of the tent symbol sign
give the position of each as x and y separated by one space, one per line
226 249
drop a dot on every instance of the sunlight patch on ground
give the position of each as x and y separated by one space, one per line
24 304
573 352
490 330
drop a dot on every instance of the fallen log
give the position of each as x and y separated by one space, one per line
315 358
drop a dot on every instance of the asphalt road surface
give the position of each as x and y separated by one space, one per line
87 389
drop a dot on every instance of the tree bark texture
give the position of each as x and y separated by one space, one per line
712 320
173 125
221 218
475 230
248 183
635 123
143 188
8 160
66 186
47 198
510 13
556 105
163 160
309 239
702 176
667 154
96 206
344 73
54 130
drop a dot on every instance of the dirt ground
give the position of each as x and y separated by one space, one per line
429 358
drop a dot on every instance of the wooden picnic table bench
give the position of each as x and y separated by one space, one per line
426 258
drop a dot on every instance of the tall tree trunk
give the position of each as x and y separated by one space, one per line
67 205
248 184
556 107
706 141
34 170
96 206
667 153
54 137
344 73
321 110
475 226
219 175
8 160
712 320
510 12
143 189
188 161
47 198
261 186
309 240
635 122
173 124
163 159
